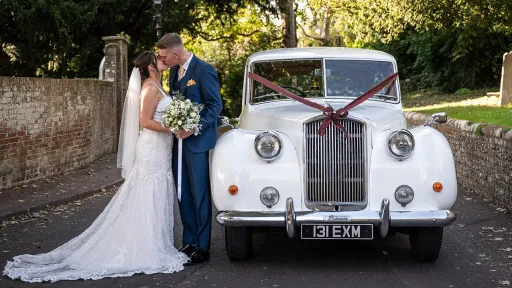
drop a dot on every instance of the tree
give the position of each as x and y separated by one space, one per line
283 9
226 42
320 24
438 43
288 20
62 38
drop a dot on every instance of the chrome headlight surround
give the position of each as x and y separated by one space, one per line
401 144
268 140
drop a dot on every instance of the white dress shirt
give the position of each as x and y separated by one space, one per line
185 66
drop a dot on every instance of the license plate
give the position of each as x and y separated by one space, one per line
337 231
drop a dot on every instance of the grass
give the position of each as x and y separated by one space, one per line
465 104
484 114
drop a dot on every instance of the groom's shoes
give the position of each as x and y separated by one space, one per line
198 256
187 249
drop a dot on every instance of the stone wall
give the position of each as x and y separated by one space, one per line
51 126
116 69
483 157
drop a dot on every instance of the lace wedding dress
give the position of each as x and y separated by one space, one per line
134 234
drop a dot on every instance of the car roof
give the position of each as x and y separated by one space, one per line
320 52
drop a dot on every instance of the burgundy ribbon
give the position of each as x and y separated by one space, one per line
332 116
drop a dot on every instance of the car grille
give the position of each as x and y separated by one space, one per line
335 164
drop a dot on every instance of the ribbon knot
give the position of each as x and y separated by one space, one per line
335 118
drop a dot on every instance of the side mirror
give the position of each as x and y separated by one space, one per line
438 118
223 121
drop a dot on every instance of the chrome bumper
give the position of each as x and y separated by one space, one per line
382 219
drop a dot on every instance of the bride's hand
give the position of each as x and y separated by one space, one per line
184 134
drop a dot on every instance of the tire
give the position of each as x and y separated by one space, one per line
426 243
238 243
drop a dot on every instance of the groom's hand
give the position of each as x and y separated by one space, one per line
182 134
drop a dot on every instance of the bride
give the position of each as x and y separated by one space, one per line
134 234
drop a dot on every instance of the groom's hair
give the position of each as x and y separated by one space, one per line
169 40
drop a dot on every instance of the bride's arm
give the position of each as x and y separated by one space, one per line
150 100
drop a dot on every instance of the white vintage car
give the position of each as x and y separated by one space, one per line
362 180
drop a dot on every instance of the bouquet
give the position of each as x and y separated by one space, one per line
182 114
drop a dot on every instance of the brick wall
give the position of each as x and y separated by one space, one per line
51 126
483 157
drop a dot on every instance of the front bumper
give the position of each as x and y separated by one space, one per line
382 219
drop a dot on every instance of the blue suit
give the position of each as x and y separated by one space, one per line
195 205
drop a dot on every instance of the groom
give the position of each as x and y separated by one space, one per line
197 81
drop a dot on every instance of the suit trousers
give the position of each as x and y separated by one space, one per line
195 205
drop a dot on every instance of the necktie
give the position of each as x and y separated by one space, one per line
182 72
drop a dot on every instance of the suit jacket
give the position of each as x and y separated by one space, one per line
204 91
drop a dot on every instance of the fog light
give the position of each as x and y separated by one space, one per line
269 196
404 195
437 187
233 189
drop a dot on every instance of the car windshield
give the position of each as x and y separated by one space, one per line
352 78
301 77
305 78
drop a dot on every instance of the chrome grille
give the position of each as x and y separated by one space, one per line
335 164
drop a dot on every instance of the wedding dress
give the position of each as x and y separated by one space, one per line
134 234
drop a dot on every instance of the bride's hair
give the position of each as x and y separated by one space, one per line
142 62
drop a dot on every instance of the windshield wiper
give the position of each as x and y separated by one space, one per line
385 96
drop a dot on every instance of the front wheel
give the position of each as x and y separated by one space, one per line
426 243
238 243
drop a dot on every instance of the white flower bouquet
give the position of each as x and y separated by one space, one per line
182 114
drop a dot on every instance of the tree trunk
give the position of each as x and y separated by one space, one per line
287 9
327 24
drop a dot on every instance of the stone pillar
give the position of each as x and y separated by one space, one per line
506 80
116 70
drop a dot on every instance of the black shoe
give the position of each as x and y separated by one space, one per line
198 256
187 249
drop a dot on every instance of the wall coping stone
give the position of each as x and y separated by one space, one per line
484 129
112 38
44 80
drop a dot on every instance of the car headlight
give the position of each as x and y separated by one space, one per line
401 144
404 194
269 196
268 145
